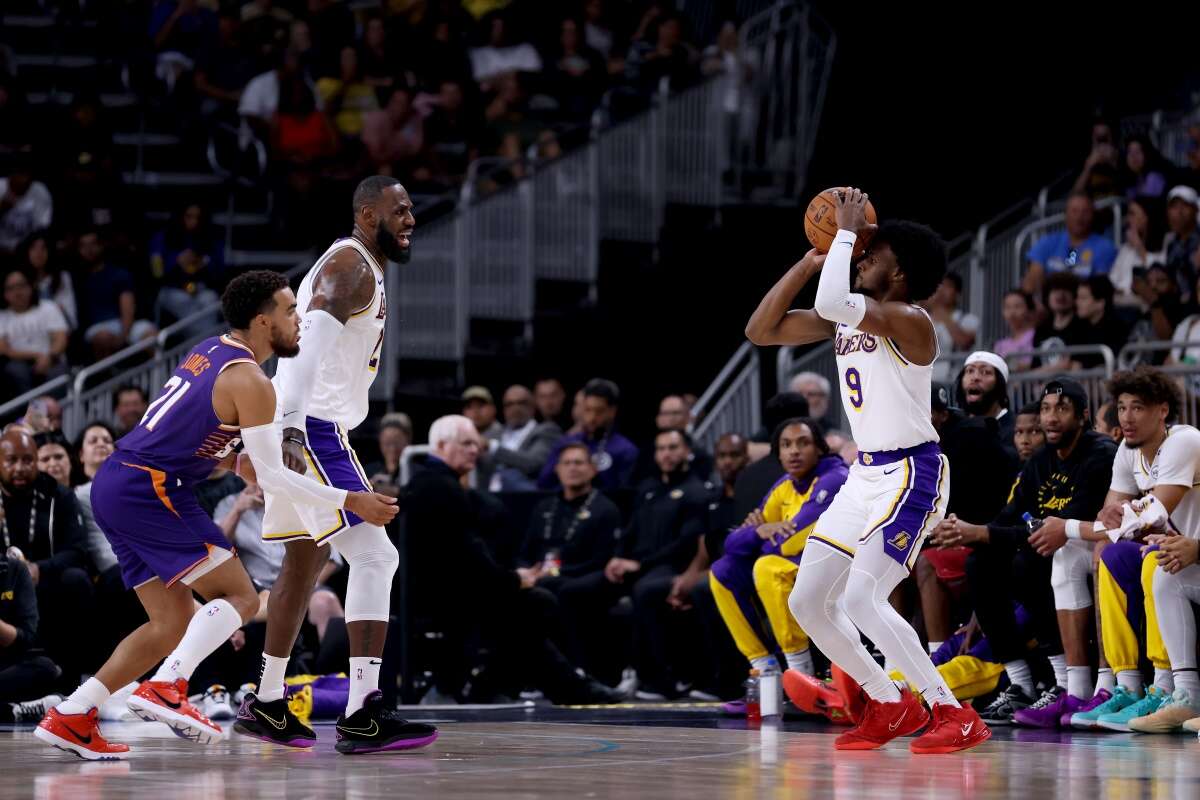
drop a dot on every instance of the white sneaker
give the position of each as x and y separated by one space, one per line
116 707
216 703
629 682
243 690
34 710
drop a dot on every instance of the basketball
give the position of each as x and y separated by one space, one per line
820 222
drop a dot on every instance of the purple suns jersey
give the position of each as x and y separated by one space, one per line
180 433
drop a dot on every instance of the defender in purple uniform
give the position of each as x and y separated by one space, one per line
142 497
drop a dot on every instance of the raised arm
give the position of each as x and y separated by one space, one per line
905 324
773 322
343 287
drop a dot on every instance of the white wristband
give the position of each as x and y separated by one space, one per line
1073 529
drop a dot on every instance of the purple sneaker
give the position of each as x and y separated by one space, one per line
1101 697
734 708
1048 711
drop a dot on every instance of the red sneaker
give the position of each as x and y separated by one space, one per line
160 701
79 734
856 698
882 722
953 729
814 696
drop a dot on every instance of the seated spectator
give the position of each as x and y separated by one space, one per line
480 408
597 32
42 526
25 671
982 391
1101 169
93 447
1076 250
674 414
300 134
1028 436
514 459
108 312
53 281
503 54
33 334
452 133
348 99
395 135
395 435
377 62
615 456
1019 313
816 390
662 54
1141 248
485 598
576 73
1182 242
669 517
761 558
42 415
1107 422
1099 324
129 406
577 409
54 457
1059 327
1145 168
188 258
25 205
181 31
955 329
549 397
260 97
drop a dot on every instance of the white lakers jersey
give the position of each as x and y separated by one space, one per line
343 382
885 395
1177 463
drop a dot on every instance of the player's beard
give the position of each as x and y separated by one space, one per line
985 401
387 244
282 348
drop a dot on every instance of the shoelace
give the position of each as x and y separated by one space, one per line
28 710
1003 700
1047 699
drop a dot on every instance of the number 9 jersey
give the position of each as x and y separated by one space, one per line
885 395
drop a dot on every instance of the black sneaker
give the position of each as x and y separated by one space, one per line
1000 711
375 729
272 722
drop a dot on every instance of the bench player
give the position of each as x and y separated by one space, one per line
167 546
866 541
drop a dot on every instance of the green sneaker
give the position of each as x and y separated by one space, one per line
1155 698
1121 699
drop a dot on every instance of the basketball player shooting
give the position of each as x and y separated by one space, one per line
166 544
865 543
323 394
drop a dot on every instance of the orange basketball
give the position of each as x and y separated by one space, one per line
820 222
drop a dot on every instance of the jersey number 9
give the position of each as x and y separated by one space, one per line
854 384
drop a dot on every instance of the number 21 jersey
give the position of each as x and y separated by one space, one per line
342 387
180 433
886 396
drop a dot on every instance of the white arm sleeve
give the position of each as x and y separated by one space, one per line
834 301
318 332
262 445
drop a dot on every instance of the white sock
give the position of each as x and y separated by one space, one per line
364 679
1059 665
1130 680
1020 674
763 663
1188 680
1164 681
1105 680
801 661
935 646
270 679
1079 682
881 688
91 694
211 626
940 694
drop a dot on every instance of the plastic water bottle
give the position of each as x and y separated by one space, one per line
753 697
1031 522
770 691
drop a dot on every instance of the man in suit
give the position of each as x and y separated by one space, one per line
512 461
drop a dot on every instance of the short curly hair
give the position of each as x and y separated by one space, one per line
1151 386
250 294
920 253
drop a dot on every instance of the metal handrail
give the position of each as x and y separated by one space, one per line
1126 359
406 459
747 352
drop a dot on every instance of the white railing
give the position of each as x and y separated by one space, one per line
732 403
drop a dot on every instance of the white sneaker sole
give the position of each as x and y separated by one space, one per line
181 725
76 748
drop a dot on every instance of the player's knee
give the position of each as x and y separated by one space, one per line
1163 586
805 603
860 602
763 574
1069 580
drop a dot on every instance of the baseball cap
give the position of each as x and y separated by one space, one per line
1068 388
1185 193
478 393
941 398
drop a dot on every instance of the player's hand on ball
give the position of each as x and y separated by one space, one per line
851 212
813 260
377 509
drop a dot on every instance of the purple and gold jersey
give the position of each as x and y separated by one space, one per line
180 434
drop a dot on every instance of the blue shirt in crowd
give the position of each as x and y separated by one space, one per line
614 456
1055 252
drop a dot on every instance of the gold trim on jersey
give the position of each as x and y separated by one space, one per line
894 349
342 522
838 546
227 339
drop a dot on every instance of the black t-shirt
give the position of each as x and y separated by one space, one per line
583 531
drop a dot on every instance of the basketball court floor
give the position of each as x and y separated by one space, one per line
626 752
